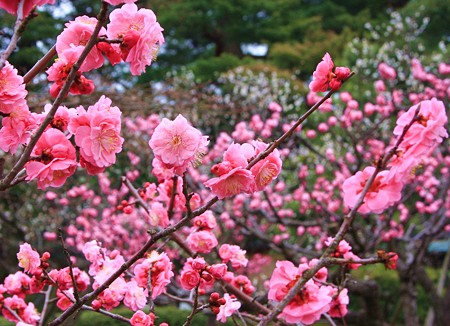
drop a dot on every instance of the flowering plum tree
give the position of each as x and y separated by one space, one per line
323 205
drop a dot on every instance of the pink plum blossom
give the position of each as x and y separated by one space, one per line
324 77
307 306
234 182
202 241
338 307
17 129
386 71
141 35
53 160
135 296
59 72
28 258
228 308
12 89
177 144
233 254
140 318
430 128
267 169
382 193
75 36
161 272
97 133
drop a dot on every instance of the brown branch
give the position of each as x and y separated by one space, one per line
69 261
194 307
41 64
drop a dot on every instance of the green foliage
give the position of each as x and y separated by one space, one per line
303 57
209 69
437 12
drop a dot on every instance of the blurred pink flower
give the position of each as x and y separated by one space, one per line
140 318
11 6
202 241
29 259
227 309
386 71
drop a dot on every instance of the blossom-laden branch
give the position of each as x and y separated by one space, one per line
345 226
289 133
18 166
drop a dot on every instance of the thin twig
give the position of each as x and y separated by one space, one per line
45 307
69 261
194 308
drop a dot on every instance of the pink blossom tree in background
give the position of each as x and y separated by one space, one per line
356 183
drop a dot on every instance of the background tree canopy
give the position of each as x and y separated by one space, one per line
292 34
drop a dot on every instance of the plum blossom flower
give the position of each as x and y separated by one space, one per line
386 71
338 307
17 128
135 296
59 72
324 77
97 133
236 181
382 193
309 304
11 6
75 36
12 89
267 169
161 267
202 241
140 318
28 258
53 160
141 35
228 308
430 129
233 254
177 144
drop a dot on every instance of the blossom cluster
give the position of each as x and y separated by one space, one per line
313 300
421 129
135 34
